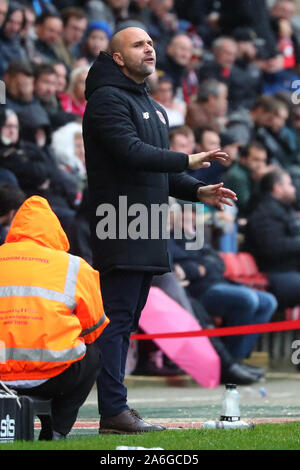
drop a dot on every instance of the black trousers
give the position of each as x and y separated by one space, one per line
124 295
69 389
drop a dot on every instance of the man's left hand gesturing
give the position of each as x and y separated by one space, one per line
216 195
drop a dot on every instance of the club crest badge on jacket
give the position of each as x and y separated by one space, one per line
161 117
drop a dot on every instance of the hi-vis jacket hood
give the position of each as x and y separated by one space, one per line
30 222
50 300
105 72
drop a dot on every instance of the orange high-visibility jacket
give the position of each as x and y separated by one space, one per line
50 301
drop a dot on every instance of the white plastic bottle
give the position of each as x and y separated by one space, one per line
230 404
230 414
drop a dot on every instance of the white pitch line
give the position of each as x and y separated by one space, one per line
165 400
176 399
193 399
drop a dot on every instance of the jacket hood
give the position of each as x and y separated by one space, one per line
30 123
105 72
36 221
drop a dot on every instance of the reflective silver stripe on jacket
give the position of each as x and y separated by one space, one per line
67 297
45 355
71 279
33 291
94 327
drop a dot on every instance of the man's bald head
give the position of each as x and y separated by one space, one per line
122 37
132 50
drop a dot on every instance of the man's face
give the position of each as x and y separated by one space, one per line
182 143
210 141
164 92
74 30
10 130
263 118
226 54
256 161
14 24
137 56
3 11
285 191
181 50
20 86
45 86
50 31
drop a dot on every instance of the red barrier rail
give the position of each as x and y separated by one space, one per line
226 331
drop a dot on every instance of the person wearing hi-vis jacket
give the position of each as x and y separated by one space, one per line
51 313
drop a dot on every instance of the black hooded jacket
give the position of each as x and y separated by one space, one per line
273 236
126 146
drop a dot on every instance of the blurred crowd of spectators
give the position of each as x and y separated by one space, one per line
227 75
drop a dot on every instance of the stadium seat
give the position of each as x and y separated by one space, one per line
292 313
233 268
252 274
241 267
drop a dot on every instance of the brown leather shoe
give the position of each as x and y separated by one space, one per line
127 422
